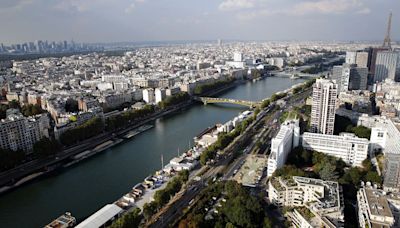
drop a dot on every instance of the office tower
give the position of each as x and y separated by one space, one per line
387 62
350 77
337 75
323 106
358 78
372 66
362 59
219 41
359 58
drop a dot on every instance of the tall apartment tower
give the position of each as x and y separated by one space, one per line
323 106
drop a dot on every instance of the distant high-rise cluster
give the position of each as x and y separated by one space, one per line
40 46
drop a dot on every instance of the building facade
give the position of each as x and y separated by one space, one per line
281 145
323 106
21 133
374 209
387 66
347 146
323 199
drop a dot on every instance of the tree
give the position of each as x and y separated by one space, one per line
90 128
174 100
149 209
373 177
362 132
46 147
9 158
265 103
367 164
3 111
289 171
31 110
71 105
352 176
13 104
131 219
328 172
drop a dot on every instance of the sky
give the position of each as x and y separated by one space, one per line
162 20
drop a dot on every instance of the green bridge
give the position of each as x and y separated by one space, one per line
213 100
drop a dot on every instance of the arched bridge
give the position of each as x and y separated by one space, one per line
212 100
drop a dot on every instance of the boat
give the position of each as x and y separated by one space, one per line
64 221
294 76
138 131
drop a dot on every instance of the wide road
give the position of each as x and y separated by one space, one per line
173 210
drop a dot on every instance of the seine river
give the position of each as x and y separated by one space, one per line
87 186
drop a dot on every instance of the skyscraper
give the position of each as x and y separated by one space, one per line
350 77
357 57
362 59
387 62
323 106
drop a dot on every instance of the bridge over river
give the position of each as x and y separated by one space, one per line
213 100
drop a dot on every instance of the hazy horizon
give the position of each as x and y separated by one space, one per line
105 21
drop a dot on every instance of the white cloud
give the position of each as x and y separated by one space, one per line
130 8
14 4
304 8
229 5
328 7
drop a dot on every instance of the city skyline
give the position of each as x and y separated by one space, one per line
158 20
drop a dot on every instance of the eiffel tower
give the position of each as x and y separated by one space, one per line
387 41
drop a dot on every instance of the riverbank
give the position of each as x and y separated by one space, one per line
84 188
63 160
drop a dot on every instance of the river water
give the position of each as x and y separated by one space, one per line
87 186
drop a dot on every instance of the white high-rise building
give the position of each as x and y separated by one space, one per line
351 57
238 57
148 95
387 66
323 106
160 95
347 146
286 139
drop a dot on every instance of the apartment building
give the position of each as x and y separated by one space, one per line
347 146
377 208
281 145
20 133
323 106
322 200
